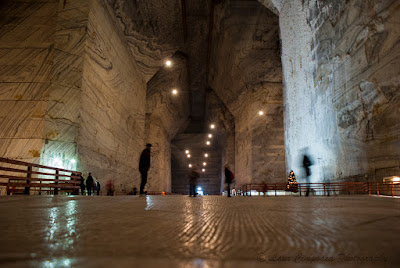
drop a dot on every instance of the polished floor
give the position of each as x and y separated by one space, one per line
209 231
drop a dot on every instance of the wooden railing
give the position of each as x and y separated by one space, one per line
332 188
21 177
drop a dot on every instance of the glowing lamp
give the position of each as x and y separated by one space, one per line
187 151
168 63
208 142
204 164
210 136
175 91
212 126
188 156
205 155
260 112
190 165
204 170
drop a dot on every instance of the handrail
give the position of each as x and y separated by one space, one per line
63 182
326 187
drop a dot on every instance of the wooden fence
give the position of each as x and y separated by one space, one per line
18 177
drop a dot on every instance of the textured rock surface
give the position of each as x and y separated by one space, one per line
246 74
342 85
210 231
71 88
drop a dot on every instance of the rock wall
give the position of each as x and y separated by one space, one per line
246 74
71 89
341 86
165 115
112 114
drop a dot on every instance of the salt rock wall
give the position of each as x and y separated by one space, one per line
246 74
165 115
42 57
71 89
112 114
342 82
153 30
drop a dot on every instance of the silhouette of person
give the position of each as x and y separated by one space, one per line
89 184
307 163
144 166
228 178
82 184
98 187
193 176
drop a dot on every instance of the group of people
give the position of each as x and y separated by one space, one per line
91 184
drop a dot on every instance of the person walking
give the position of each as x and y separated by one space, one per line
307 163
89 184
229 176
193 176
144 166
98 187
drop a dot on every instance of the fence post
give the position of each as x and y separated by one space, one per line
392 189
369 189
324 189
377 188
28 176
56 182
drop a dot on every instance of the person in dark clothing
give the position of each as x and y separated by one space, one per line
228 178
144 166
193 176
98 187
82 180
89 184
82 185
307 163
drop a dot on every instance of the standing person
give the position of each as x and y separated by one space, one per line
228 178
98 187
307 163
144 166
82 185
110 188
89 184
193 176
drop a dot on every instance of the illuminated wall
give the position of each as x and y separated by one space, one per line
341 89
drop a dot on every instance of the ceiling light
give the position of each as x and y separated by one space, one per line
168 63
187 151
210 136
208 142
204 170
190 165
188 156
260 113
204 164
212 126
175 91
205 155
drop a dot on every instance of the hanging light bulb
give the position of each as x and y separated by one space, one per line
174 91
212 126
190 165
210 136
204 164
204 170
188 156
168 63
187 151
260 113
205 155
208 142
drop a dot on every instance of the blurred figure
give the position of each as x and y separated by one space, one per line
98 187
193 176
307 163
144 166
82 185
229 177
110 188
89 184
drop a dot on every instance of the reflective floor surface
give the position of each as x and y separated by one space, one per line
208 231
